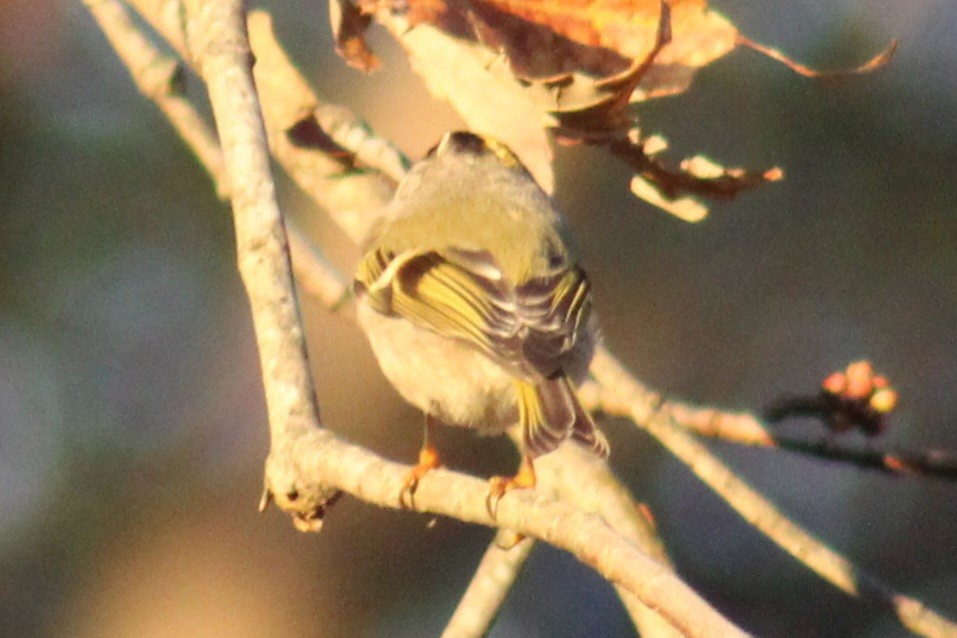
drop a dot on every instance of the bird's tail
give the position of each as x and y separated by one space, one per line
550 412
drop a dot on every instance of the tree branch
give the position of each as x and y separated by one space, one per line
621 394
746 429
927 463
160 79
319 458
493 579
579 478
216 31
327 172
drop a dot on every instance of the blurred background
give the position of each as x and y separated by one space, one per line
132 425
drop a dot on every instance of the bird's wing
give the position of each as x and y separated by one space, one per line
463 294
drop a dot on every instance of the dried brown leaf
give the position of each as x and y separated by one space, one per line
699 36
675 190
513 67
625 27
877 62
629 28
480 85
685 208
583 61
348 28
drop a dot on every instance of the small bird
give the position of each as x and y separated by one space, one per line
474 307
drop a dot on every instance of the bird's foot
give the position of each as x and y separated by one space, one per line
498 486
428 460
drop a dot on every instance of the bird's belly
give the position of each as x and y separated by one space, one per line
442 377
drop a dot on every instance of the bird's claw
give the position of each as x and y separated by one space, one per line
498 486
428 461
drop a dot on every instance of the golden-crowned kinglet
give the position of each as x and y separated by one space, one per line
474 307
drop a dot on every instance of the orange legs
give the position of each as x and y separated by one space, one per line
499 485
428 460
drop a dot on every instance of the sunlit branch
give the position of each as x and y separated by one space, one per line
621 394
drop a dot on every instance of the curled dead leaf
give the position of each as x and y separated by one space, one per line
579 55
685 208
349 25
877 62
675 190
515 68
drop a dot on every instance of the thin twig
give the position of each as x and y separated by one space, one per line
925 463
745 428
315 274
355 135
674 183
302 147
623 395
493 579
581 479
160 78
